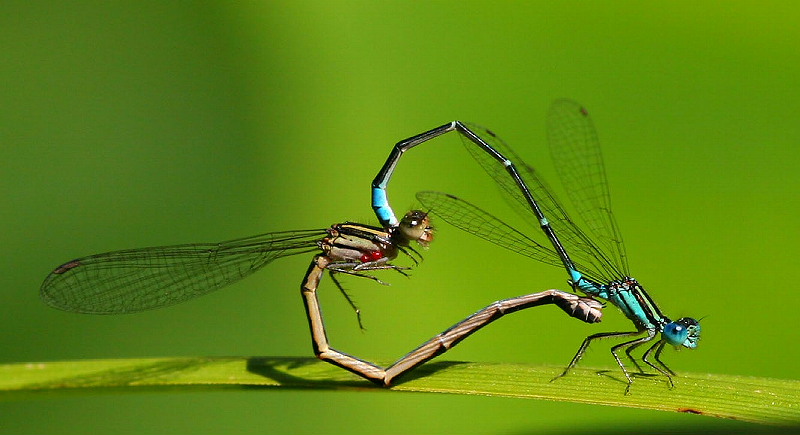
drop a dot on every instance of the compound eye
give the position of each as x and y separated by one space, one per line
683 332
416 226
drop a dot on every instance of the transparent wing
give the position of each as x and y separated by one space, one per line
467 217
575 149
142 279
595 262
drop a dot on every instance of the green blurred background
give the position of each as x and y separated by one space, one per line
129 124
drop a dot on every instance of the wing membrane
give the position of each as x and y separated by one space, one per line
467 217
575 149
597 262
142 279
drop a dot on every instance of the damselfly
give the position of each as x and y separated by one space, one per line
142 279
597 266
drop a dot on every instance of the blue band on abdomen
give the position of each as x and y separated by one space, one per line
380 203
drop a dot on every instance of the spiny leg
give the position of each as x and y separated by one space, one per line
585 346
319 337
401 270
337 268
663 369
354 269
416 258
347 297
635 343
658 358
628 352
379 265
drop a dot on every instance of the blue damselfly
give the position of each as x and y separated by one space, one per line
596 265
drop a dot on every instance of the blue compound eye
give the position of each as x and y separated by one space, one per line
675 333
684 332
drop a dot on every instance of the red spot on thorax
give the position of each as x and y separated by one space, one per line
371 256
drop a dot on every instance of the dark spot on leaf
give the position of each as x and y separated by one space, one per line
690 411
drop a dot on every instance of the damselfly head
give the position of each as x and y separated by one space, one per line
683 332
416 226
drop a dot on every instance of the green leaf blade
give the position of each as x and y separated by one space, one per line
752 399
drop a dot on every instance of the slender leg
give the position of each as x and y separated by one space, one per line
586 344
585 309
354 269
631 358
319 338
348 269
651 333
658 358
663 369
348 298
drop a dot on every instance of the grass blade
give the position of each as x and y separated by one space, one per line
757 400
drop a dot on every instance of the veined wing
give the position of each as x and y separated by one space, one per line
142 279
472 219
575 149
596 264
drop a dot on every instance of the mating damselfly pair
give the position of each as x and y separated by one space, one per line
140 279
